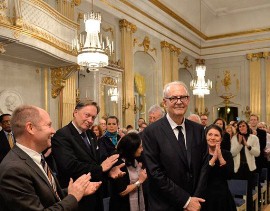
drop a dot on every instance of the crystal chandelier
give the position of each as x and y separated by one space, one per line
200 87
113 93
92 50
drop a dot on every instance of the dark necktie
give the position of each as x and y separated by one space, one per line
85 140
50 177
181 138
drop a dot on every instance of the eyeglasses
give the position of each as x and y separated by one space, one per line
174 99
6 122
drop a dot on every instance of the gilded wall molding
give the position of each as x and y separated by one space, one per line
57 15
174 49
59 76
46 37
164 44
146 45
109 81
185 62
124 24
254 56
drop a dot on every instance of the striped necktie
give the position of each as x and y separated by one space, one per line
49 175
10 140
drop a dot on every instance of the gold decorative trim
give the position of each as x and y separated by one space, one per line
266 55
177 17
192 43
59 76
55 13
116 64
44 36
127 25
254 56
164 44
109 81
200 61
185 62
198 32
146 45
173 48
186 39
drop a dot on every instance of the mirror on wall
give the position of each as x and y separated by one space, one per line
109 93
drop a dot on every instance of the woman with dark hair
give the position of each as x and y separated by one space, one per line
127 192
218 196
226 140
108 142
245 147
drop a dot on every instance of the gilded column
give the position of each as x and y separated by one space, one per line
46 89
166 63
255 83
267 94
69 99
127 29
175 52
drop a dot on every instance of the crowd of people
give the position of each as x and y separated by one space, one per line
171 163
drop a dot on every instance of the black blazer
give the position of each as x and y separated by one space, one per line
74 159
4 145
23 186
172 176
261 161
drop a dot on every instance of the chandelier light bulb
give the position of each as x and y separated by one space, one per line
93 50
199 86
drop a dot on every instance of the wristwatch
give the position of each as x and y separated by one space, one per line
137 184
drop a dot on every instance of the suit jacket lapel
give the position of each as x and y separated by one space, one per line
79 140
189 138
32 165
173 140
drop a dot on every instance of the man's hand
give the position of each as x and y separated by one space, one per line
92 188
194 204
77 188
109 162
116 172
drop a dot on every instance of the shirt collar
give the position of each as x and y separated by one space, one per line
79 131
173 124
33 154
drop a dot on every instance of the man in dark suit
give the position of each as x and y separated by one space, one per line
74 148
261 161
24 182
5 134
175 154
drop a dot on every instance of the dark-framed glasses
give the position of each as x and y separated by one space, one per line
174 99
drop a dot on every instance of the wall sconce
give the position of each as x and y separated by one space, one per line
247 112
137 108
125 106
205 112
77 96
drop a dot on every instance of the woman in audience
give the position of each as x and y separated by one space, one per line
127 192
226 140
97 130
218 196
231 130
108 142
245 147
